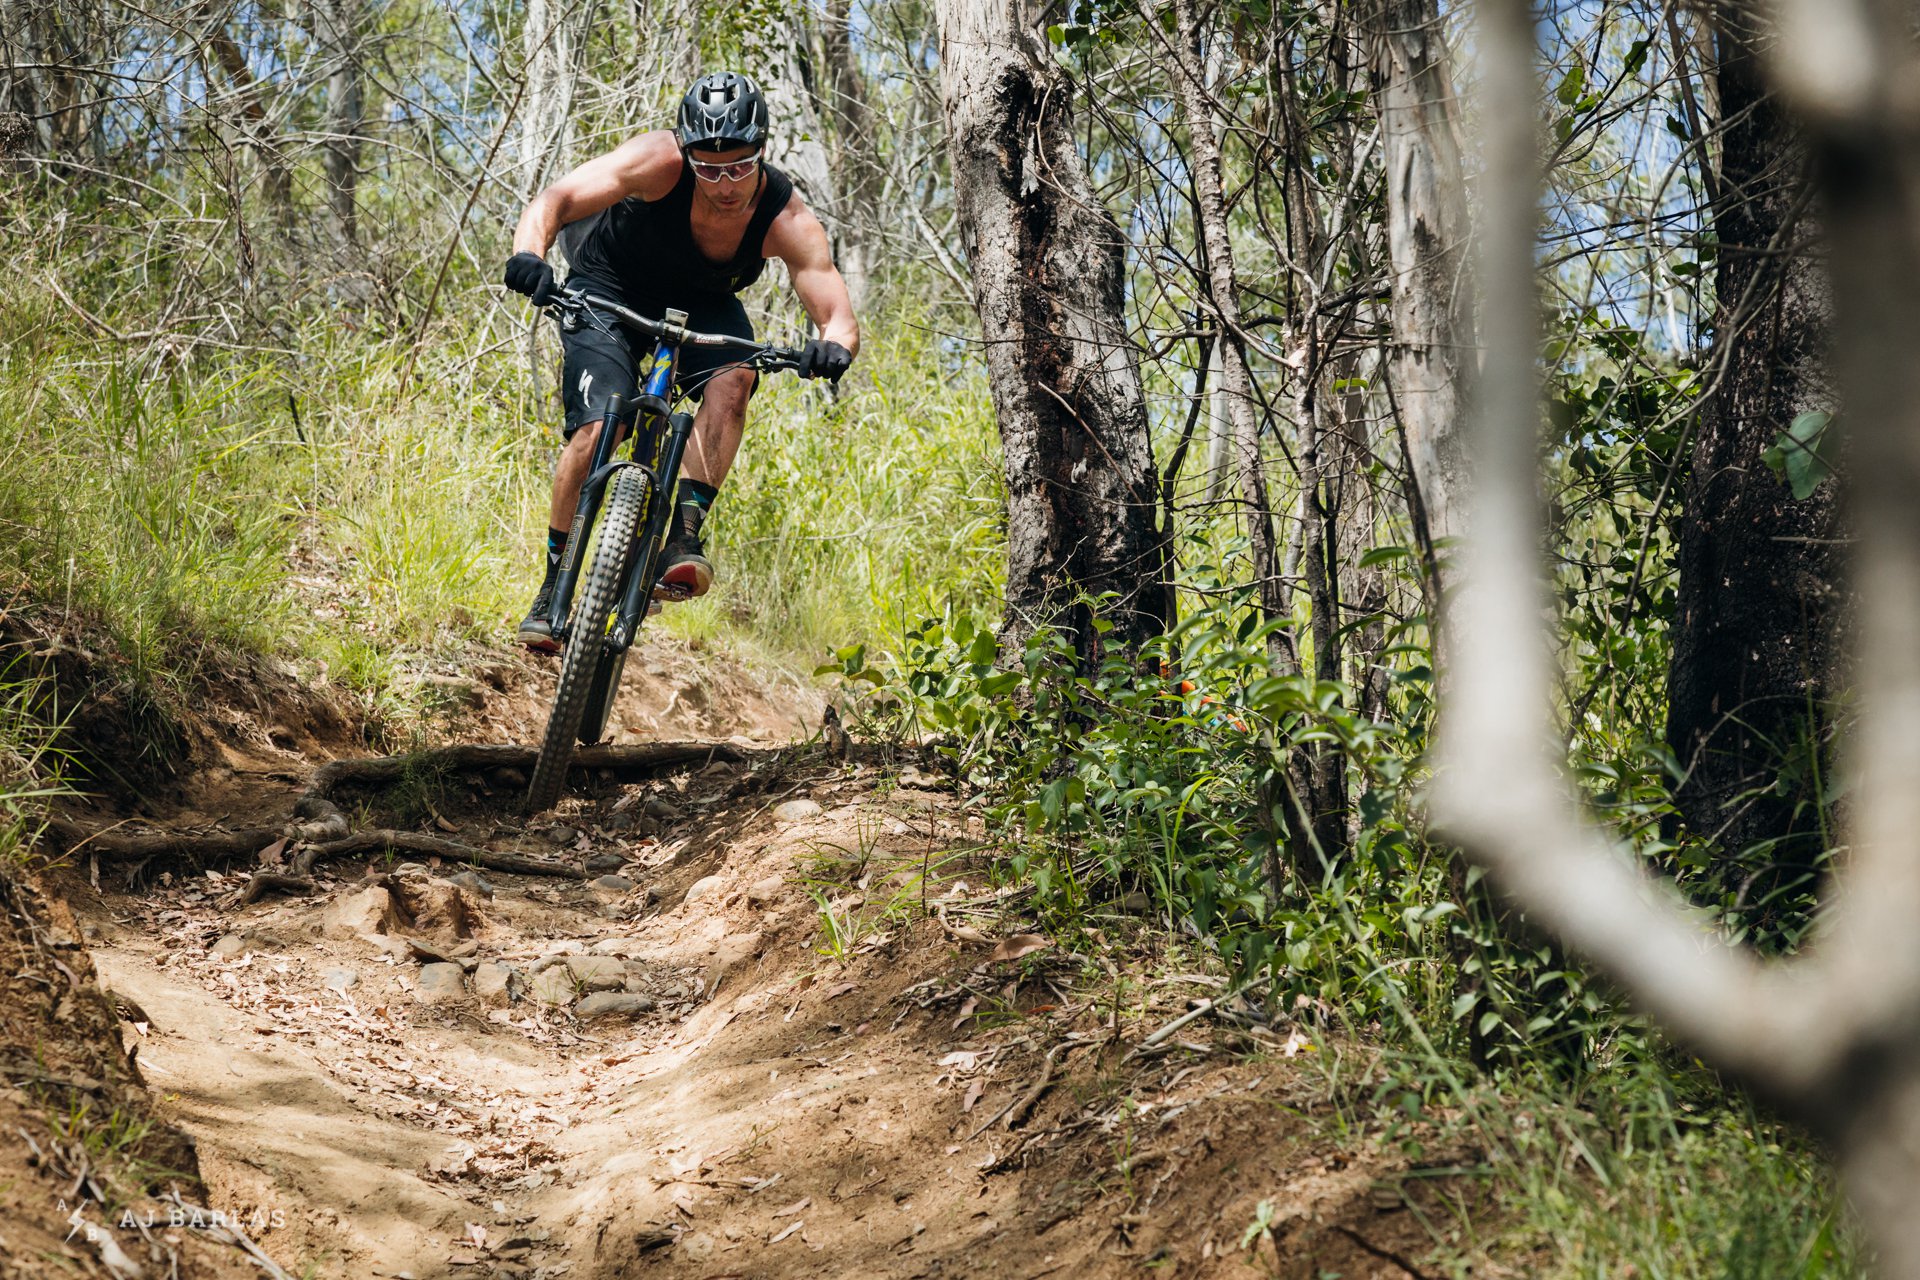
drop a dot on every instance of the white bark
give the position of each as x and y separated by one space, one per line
550 37
1427 237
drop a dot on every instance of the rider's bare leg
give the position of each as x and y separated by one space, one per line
718 426
710 451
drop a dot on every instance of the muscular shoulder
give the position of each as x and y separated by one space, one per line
649 163
796 236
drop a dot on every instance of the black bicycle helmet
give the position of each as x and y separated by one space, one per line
723 109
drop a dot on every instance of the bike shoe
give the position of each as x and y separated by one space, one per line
536 632
685 571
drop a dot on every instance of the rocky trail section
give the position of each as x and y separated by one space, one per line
771 1021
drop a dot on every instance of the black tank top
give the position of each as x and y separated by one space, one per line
647 249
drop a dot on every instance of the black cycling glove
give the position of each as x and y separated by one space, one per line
532 275
823 359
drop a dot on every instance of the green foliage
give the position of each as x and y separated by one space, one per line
1655 1171
30 765
845 516
1804 454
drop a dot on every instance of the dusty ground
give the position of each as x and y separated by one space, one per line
796 1034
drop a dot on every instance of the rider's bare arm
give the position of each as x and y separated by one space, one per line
646 166
797 238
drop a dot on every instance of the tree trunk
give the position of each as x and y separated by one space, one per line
248 95
1047 262
1236 380
798 142
337 26
548 39
856 152
1433 338
1758 604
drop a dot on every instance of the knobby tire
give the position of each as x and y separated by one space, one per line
586 647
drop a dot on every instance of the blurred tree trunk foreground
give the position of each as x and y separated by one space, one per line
1834 1034
1046 258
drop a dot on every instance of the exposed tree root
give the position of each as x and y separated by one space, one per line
387 769
207 846
362 842
320 830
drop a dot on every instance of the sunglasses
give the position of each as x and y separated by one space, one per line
707 171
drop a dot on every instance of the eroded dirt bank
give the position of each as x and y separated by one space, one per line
786 1029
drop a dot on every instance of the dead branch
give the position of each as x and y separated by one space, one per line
384 841
382 770
204 845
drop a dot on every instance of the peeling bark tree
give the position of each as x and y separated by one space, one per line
1427 225
1754 631
1046 260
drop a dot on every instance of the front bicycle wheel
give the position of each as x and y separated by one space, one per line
586 652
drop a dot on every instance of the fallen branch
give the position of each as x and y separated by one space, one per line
382 841
265 882
115 846
1199 1010
380 770
1385 1255
1017 1111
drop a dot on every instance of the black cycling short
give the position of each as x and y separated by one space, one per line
597 364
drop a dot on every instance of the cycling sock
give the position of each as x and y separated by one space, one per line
556 547
691 504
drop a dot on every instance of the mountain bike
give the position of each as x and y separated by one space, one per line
632 501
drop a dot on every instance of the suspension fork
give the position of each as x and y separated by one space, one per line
584 514
639 590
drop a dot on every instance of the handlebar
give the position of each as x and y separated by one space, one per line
766 356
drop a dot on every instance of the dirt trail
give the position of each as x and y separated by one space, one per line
678 1070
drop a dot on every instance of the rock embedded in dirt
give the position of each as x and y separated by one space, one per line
473 882
597 973
733 954
437 908
554 986
429 952
615 1004
453 691
496 984
341 979
440 983
795 810
705 887
606 862
611 884
762 892
368 911
561 836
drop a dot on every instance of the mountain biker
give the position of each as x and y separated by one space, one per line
681 218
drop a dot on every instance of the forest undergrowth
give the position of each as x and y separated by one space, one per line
324 499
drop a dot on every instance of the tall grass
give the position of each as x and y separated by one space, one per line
329 496
848 518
